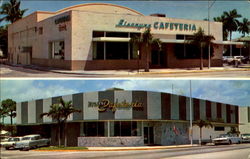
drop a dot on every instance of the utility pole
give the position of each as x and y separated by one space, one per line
190 114
209 53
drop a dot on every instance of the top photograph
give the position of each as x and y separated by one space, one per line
125 39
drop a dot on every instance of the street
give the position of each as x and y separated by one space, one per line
20 72
241 151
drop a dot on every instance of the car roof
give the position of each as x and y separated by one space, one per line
32 135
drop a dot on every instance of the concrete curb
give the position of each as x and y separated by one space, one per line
195 71
127 73
127 148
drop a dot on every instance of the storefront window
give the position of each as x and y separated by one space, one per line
134 51
116 50
126 128
93 129
98 50
189 51
116 34
57 49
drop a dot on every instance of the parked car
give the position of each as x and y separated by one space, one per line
11 143
32 141
233 60
245 137
227 139
246 60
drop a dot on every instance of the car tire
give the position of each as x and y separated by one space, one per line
7 148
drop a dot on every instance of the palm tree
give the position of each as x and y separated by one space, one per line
201 124
200 40
60 112
4 39
244 27
3 114
231 21
224 25
146 40
67 110
12 11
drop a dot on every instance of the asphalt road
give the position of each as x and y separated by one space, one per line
241 151
20 72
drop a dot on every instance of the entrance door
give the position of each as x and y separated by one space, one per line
158 58
148 135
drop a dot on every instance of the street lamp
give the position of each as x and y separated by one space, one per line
138 57
209 54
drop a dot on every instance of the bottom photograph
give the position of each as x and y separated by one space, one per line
123 113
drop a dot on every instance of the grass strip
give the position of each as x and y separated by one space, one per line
62 148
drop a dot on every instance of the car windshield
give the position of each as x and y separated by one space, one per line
26 138
223 135
245 135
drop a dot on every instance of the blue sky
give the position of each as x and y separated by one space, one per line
227 91
176 9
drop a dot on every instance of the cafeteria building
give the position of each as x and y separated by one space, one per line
96 36
117 117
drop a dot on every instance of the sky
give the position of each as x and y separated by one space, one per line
235 92
188 9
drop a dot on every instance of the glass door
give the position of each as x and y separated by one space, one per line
148 135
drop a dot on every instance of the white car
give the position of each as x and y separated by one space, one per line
227 139
245 137
11 143
32 141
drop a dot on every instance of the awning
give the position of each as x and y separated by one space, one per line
172 41
227 42
118 39
111 39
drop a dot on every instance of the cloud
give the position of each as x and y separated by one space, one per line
23 90
226 91
235 92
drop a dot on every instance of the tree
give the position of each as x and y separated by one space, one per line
244 26
60 112
9 109
3 114
11 11
201 124
200 40
4 39
224 25
231 21
233 130
146 41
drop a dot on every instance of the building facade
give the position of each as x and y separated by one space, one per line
244 120
97 36
128 118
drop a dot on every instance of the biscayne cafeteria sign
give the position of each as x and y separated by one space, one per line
157 25
105 104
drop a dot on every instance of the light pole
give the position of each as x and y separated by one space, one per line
138 58
190 115
209 53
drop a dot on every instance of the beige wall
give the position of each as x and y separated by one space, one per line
244 124
85 22
207 132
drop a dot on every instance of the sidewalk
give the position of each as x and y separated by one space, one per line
136 72
129 148
138 148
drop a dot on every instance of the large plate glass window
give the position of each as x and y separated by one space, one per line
57 49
